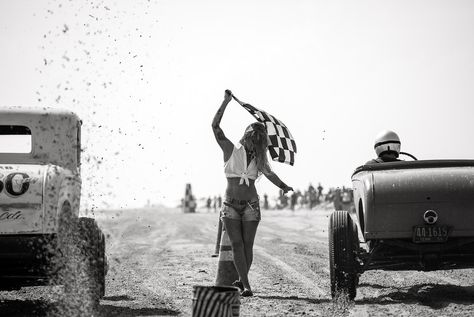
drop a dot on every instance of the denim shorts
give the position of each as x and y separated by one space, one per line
241 210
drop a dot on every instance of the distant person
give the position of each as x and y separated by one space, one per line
337 199
293 200
313 199
265 201
387 147
208 204
219 202
320 190
304 199
244 163
282 200
313 196
310 188
299 198
330 195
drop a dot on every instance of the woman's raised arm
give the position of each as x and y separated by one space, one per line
221 139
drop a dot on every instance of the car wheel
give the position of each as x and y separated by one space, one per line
64 254
343 247
72 265
92 244
102 264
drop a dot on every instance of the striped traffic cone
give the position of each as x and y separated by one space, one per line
216 301
226 272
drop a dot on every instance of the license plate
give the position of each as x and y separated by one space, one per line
426 234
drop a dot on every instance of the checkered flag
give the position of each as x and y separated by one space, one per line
281 145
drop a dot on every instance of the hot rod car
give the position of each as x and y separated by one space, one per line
40 189
408 215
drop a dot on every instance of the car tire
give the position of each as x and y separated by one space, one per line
64 255
92 244
102 263
343 247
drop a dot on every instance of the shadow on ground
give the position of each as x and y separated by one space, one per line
28 308
118 298
436 296
296 298
109 310
24 308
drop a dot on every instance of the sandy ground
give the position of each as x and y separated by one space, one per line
157 255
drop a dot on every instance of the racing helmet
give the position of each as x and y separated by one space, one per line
387 141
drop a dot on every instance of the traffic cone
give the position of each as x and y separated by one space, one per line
189 205
226 272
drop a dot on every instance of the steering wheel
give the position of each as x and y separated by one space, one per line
408 154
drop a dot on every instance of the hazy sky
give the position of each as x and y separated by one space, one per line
147 77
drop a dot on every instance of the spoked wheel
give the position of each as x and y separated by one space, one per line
343 247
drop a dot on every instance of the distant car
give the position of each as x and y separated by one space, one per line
40 191
409 215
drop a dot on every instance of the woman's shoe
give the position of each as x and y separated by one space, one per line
246 293
239 284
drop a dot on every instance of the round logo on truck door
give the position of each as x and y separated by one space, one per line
17 184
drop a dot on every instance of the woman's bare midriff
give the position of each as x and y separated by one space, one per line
241 192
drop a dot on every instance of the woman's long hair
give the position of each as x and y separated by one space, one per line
255 139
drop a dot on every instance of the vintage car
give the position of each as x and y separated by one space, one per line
40 191
408 215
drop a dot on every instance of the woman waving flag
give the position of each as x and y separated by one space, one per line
281 145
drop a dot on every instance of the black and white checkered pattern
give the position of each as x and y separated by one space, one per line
281 145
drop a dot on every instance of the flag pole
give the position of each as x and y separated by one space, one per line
235 98
243 104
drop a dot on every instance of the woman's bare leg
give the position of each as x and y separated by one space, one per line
234 230
249 230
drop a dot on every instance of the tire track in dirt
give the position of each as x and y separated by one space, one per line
291 273
302 249
177 261
130 240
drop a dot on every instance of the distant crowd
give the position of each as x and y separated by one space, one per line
311 197
306 199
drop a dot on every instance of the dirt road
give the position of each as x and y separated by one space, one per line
157 255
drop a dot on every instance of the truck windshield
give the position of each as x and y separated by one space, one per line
15 139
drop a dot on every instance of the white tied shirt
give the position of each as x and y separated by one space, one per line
236 166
